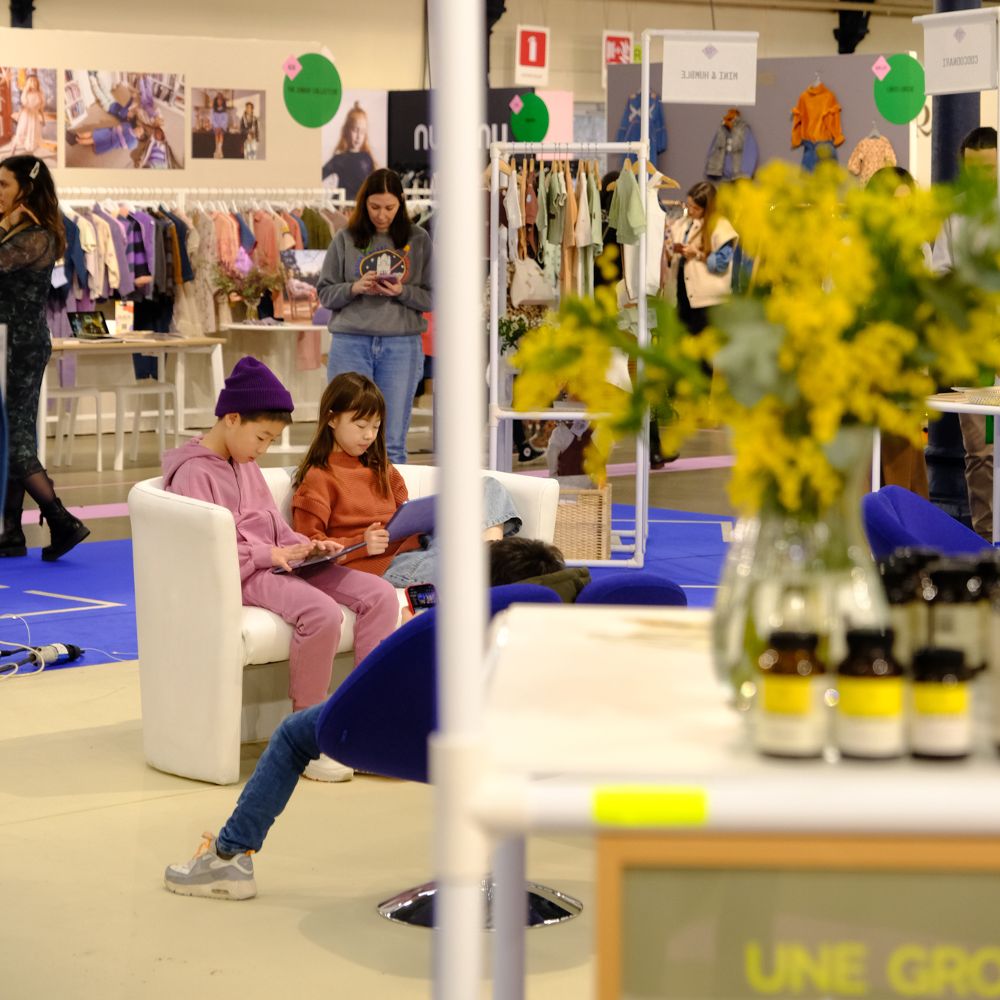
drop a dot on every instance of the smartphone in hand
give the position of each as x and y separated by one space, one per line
420 597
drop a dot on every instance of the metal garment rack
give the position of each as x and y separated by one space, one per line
183 196
499 413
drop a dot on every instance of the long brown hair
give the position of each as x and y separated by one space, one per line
349 393
356 114
361 227
38 195
703 195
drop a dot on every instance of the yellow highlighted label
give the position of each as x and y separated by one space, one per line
875 697
787 695
650 805
941 699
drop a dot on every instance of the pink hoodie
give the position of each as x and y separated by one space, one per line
194 471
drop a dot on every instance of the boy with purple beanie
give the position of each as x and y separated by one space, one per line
221 468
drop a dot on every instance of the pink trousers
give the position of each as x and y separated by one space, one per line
310 602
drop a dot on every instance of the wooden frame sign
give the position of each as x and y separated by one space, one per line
740 917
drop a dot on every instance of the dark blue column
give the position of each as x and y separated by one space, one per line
954 116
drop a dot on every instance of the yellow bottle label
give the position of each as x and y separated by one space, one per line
787 695
941 699
874 697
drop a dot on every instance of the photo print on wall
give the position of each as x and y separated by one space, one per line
356 140
227 124
28 112
122 120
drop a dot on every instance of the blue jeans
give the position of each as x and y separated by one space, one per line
395 365
271 785
420 565
814 152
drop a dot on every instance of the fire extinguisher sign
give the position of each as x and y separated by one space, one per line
532 56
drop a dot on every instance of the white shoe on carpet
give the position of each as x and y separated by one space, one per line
327 769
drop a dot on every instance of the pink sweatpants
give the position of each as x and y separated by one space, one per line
310 602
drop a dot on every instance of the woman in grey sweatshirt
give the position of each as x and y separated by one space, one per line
376 279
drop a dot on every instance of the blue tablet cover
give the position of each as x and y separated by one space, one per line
413 517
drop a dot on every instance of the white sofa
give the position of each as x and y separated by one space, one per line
212 672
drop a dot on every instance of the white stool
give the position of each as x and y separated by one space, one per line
148 387
72 396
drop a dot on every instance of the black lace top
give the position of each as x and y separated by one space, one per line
26 259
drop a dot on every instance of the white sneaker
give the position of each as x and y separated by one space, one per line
327 769
209 875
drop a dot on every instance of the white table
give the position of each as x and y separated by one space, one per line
583 703
158 346
955 402
288 344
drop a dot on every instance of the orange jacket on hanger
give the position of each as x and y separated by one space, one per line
816 117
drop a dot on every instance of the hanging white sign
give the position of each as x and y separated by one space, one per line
531 56
960 51
709 67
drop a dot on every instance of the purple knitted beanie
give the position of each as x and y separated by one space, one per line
252 386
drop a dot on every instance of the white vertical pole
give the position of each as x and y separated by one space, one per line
996 419
510 907
495 432
457 35
642 449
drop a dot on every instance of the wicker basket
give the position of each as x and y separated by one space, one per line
583 523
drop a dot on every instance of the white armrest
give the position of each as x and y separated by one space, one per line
188 611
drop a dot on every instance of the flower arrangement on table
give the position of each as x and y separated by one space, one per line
843 327
245 280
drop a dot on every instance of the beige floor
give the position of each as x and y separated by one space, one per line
86 829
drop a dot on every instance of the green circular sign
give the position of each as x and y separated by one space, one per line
900 94
530 122
312 90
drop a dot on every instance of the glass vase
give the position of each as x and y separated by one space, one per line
800 572
252 304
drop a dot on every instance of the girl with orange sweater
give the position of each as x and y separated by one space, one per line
346 488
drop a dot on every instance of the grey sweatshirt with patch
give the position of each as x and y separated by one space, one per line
376 315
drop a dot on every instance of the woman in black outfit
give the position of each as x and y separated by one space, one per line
31 239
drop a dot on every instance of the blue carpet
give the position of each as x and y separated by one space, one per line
86 598
684 547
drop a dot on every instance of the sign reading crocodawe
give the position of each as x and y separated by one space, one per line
960 51
709 67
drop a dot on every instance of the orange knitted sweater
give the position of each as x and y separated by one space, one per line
816 117
341 500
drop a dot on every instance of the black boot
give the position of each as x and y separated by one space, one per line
12 541
656 460
65 530
656 457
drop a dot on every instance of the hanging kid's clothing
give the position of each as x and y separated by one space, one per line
626 214
816 125
733 153
568 274
869 156
583 237
633 284
630 127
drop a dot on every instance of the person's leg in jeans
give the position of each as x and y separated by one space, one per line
371 598
978 473
399 362
500 518
350 352
316 620
271 785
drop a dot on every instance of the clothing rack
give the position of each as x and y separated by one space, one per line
184 196
498 413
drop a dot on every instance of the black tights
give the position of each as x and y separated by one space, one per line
36 484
